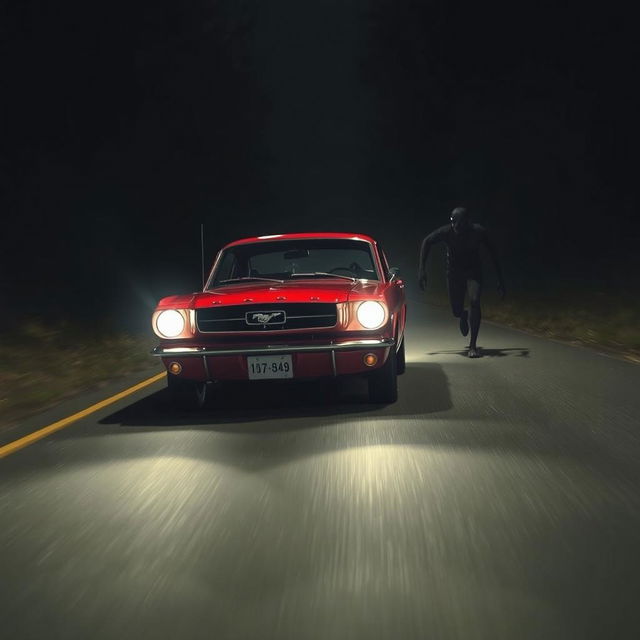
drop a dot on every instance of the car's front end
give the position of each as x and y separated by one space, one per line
280 320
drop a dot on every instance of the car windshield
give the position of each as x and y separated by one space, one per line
295 260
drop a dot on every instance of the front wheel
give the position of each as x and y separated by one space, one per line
383 382
186 394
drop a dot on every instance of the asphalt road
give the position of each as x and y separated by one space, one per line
498 499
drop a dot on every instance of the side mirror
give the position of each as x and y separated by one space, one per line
394 272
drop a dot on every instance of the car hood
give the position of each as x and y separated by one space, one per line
316 290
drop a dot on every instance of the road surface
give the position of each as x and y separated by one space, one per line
499 498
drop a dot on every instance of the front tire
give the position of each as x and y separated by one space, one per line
186 394
401 364
383 382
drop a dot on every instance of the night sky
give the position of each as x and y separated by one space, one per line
124 126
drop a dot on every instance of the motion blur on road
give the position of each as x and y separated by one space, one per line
497 499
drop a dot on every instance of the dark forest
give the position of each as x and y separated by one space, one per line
126 126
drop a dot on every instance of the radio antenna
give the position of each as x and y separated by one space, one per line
202 251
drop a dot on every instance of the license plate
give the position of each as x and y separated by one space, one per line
268 367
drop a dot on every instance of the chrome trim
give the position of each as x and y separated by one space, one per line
273 348
318 315
333 363
256 332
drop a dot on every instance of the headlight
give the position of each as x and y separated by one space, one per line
370 314
170 323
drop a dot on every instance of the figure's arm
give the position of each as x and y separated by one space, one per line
496 263
425 248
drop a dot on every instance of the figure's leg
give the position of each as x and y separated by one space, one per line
474 288
464 322
457 289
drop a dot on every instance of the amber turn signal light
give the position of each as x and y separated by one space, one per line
370 359
175 368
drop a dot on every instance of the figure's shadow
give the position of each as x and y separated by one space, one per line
489 353
284 404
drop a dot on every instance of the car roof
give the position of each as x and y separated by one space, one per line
302 236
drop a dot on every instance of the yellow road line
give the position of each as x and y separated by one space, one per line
65 422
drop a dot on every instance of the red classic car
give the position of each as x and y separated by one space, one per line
299 305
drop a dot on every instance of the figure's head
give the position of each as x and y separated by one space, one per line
459 220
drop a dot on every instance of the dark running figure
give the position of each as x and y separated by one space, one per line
464 269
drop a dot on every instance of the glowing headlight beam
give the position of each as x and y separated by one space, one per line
370 314
170 323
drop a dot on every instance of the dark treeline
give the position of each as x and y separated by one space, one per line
126 125
525 113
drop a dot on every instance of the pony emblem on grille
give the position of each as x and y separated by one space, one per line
263 318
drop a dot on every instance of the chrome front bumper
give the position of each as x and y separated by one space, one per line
273 348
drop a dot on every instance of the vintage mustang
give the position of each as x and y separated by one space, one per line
299 305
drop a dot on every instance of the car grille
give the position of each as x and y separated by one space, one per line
302 315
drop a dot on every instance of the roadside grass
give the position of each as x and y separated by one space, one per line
610 322
40 365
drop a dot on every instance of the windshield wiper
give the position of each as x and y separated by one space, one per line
323 273
245 278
